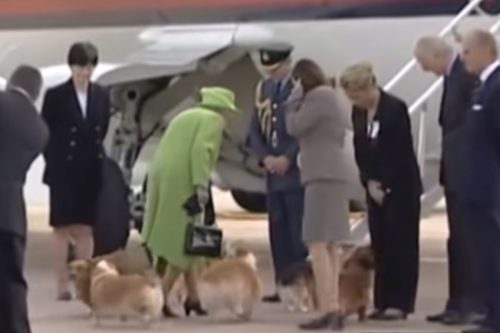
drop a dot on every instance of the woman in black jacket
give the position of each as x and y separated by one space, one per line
389 172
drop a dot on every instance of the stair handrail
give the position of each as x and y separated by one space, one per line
469 8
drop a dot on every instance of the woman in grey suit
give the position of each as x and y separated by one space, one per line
316 120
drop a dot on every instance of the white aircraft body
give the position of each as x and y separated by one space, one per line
155 71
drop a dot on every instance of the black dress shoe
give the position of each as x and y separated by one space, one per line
439 317
481 329
462 319
388 315
274 298
194 306
332 320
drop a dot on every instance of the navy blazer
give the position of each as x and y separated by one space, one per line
270 117
23 136
456 100
389 157
483 143
75 147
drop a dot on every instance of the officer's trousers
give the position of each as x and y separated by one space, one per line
13 287
286 210
463 270
486 225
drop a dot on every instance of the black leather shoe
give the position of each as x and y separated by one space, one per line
462 319
195 307
440 317
375 315
332 320
274 298
389 315
480 330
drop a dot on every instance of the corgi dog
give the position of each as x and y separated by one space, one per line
356 282
80 271
298 288
232 284
124 296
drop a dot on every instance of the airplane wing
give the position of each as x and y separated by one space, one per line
180 50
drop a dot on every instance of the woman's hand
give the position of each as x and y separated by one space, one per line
376 192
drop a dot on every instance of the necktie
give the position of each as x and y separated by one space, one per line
277 89
476 93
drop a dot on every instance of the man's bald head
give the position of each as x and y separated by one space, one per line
434 54
479 50
484 40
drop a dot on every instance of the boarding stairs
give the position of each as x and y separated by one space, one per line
428 156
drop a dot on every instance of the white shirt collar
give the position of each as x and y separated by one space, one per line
452 62
489 70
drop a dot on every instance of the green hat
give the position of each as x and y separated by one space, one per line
218 97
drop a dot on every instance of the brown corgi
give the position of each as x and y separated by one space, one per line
298 289
356 281
80 271
232 284
124 296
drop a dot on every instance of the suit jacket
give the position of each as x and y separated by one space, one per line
455 103
483 144
268 134
387 156
316 120
75 148
23 135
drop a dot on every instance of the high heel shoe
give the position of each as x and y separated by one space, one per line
194 306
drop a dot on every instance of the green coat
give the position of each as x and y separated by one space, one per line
184 159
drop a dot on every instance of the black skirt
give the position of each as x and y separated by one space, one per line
73 203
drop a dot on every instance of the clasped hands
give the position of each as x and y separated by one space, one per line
276 164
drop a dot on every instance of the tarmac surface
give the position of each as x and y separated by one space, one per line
50 316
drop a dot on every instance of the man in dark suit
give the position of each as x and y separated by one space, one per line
23 136
269 140
77 113
438 57
482 176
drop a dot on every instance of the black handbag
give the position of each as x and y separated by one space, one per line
203 241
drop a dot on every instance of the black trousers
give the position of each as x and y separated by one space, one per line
13 287
486 233
463 270
394 233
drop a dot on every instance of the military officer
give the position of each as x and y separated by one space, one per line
277 151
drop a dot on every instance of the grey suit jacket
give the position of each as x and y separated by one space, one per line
317 121
23 136
455 103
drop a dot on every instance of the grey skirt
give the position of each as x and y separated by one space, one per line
326 212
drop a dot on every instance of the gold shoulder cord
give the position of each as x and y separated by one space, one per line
263 108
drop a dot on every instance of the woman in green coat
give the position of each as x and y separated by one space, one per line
181 167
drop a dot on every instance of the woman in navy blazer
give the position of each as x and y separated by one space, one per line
389 171
77 114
